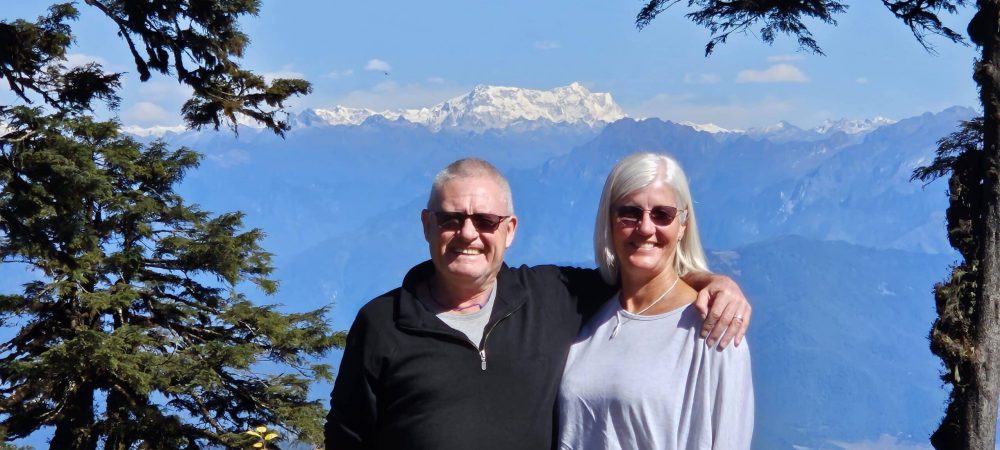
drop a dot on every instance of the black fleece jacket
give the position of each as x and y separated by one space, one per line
408 381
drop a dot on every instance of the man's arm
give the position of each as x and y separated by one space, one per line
723 307
586 288
350 424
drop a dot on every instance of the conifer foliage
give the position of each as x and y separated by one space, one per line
137 329
197 41
960 155
141 327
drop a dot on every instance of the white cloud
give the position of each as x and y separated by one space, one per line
546 45
731 115
391 95
701 78
285 72
778 73
340 73
79 59
164 90
785 58
861 80
147 114
884 442
377 65
435 80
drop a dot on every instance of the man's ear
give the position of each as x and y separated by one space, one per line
511 229
425 219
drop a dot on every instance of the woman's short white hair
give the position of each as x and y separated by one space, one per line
635 172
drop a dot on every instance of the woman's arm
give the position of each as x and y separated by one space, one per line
733 405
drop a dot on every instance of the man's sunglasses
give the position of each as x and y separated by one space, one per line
453 221
631 216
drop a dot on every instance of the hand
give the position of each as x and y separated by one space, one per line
724 310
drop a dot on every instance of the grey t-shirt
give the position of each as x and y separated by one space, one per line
655 385
472 324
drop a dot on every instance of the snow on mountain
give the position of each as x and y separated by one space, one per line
341 115
709 127
853 126
500 107
156 130
497 107
781 132
784 131
780 127
244 122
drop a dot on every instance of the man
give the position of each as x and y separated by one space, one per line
468 353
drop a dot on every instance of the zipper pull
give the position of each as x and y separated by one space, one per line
482 357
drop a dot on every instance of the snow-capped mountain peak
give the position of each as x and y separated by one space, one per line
776 128
709 127
496 107
853 126
784 131
156 130
340 115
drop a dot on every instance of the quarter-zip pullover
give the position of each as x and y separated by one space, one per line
409 381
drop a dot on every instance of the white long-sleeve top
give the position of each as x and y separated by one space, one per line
654 385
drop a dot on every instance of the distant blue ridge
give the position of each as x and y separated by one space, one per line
836 248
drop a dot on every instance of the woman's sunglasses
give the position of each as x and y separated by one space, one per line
631 216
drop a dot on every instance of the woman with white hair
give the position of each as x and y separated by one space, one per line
640 374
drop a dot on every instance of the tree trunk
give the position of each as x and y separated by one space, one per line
116 426
984 383
75 429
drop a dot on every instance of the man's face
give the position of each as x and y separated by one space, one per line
469 256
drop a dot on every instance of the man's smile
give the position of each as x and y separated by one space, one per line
467 251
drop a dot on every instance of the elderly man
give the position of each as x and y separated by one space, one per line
468 353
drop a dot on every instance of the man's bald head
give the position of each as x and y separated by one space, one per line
469 168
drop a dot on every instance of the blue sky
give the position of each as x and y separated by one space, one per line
441 49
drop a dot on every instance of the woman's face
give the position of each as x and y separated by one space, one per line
646 249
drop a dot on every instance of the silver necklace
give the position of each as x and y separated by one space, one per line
618 315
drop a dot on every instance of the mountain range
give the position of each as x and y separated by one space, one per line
504 108
836 247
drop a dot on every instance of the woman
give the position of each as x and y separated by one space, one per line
640 375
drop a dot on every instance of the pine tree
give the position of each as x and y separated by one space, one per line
138 330
966 334
960 155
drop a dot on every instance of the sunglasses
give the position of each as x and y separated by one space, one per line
453 221
631 216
